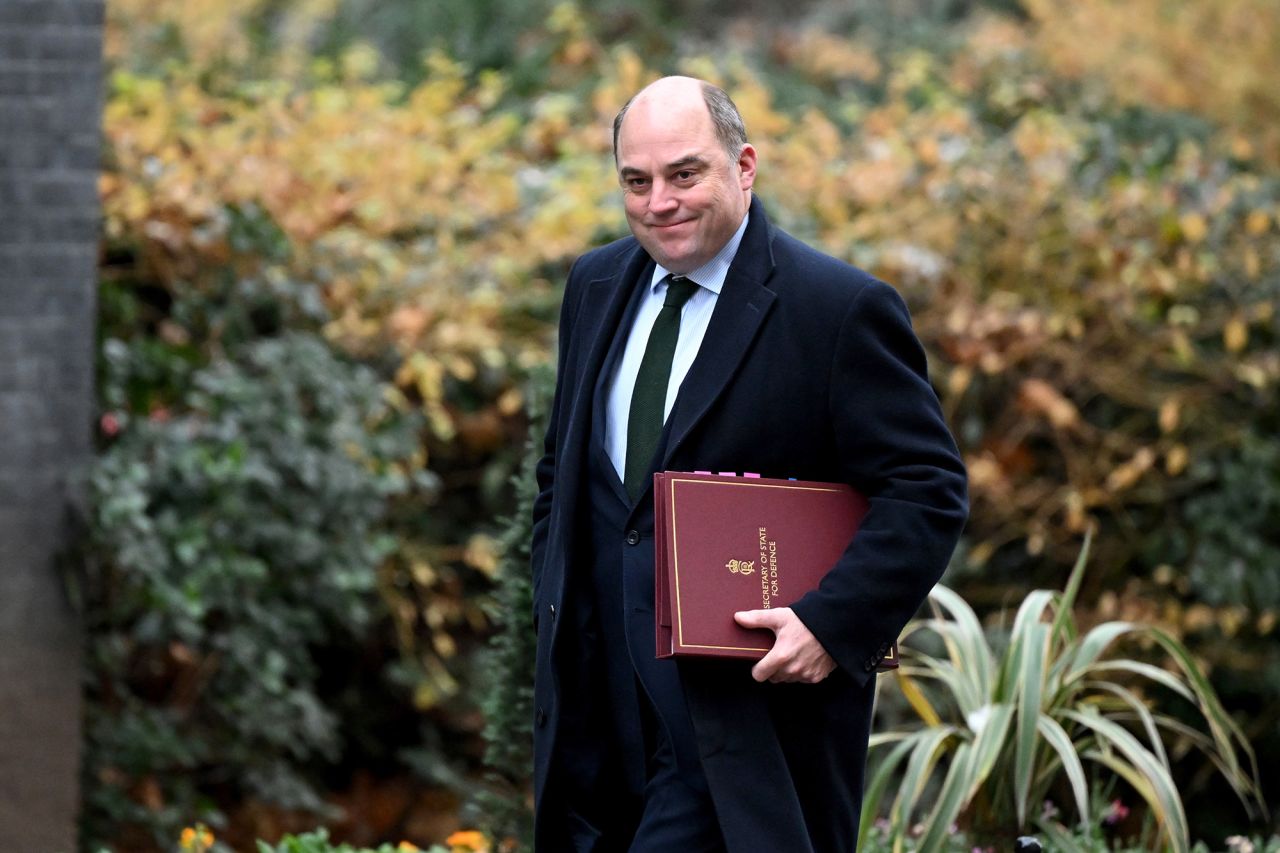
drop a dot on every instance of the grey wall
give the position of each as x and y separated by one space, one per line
50 93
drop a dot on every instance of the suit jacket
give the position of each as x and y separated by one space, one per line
809 369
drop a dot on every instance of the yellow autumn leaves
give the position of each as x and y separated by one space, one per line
1216 59
1074 284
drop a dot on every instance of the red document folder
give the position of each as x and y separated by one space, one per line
726 543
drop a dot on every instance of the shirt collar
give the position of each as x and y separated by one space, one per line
712 274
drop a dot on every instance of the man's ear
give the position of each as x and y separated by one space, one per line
747 166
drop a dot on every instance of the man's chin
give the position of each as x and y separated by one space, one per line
678 260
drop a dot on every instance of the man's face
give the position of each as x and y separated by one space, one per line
684 195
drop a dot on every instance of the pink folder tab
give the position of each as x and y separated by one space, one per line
708 473
749 474
728 473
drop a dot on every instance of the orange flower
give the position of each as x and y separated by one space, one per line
196 838
468 840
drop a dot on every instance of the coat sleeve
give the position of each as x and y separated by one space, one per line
893 445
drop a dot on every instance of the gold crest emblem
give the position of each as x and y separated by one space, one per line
741 567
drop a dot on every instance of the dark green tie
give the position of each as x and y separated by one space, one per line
648 400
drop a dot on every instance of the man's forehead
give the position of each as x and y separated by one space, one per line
649 125
691 160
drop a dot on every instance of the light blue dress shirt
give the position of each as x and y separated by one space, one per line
694 319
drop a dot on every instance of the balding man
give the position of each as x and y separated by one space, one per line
710 340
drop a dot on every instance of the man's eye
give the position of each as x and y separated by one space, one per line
684 174
637 183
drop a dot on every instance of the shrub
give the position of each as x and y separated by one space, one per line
1147 52
1015 724
233 542
507 688
1094 269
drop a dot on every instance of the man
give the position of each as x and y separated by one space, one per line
711 340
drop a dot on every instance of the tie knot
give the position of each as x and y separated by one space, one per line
679 289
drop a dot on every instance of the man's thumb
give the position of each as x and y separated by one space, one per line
756 619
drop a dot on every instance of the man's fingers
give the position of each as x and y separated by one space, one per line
773 660
796 654
767 666
758 619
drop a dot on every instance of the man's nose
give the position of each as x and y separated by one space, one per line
662 198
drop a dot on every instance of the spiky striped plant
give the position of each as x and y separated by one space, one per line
1001 730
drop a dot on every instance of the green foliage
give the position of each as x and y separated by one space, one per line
234 543
1228 533
1013 725
318 842
1086 234
883 838
507 691
1100 837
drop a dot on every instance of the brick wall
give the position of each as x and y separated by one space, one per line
50 94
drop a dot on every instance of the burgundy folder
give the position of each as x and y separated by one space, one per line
724 543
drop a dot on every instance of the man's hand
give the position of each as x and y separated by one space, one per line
796 654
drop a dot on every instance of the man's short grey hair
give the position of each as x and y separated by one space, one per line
725 118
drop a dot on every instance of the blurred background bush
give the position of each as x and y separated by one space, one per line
335 232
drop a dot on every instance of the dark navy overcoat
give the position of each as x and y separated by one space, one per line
809 369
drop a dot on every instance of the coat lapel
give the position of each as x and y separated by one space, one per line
740 310
607 299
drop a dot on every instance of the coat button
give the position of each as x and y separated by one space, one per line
540 719
633 538
552 610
